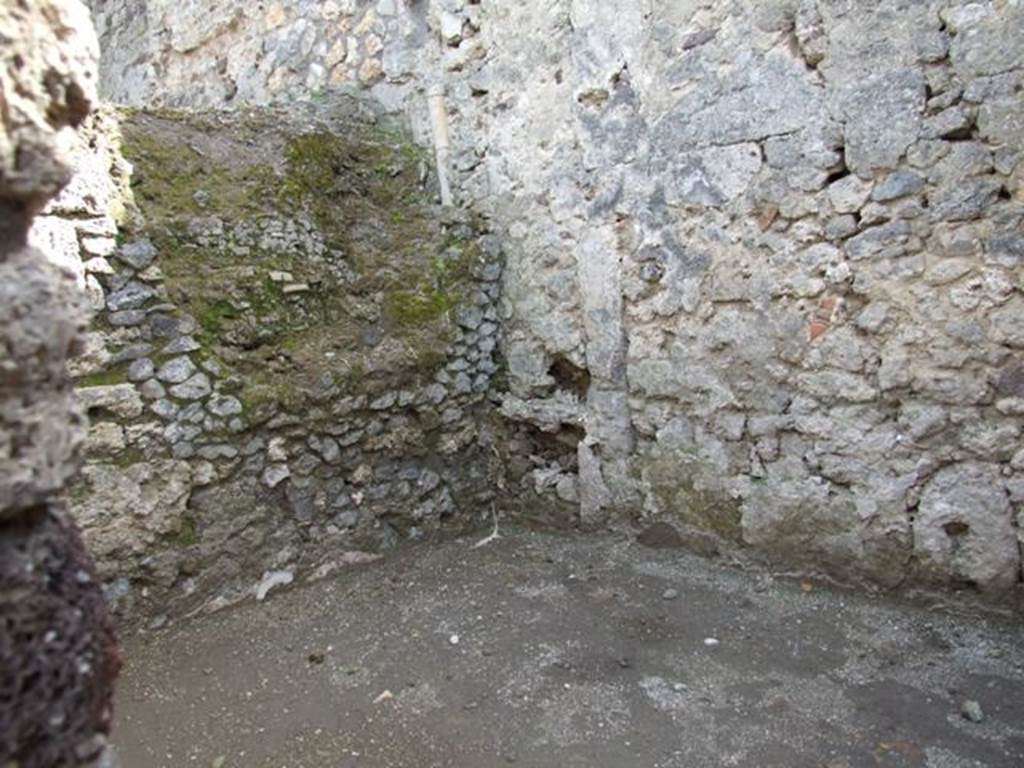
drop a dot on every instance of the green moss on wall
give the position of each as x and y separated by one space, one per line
168 176
106 378
315 163
262 395
415 307
128 457
384 248
431 292
187 536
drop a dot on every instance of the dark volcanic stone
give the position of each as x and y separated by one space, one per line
58 652
1010 380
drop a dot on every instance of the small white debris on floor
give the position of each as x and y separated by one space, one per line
971 710
272 579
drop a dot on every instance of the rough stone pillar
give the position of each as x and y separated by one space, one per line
604 453
606 483
58 655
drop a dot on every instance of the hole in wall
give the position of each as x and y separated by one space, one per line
956 529
841 172
595 98
569 377
559 447
966 133
570 436
962 584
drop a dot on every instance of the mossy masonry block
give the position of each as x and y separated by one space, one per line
284 316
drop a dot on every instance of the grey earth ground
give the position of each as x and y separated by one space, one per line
543 650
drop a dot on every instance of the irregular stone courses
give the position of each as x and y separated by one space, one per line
297 422
762 263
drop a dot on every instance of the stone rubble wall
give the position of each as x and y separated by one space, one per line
763 261
58 653
236 52
289 355
783 241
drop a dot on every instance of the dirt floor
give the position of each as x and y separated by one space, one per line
547 651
